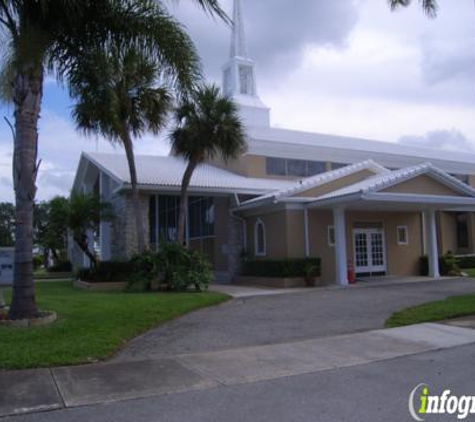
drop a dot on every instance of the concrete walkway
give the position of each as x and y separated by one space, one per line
40 390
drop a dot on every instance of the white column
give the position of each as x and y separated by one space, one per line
307 240
105 226
432 248
341 259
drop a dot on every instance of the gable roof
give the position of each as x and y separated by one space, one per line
386 180
155 172
316 181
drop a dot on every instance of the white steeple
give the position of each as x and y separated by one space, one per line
238 39
239 77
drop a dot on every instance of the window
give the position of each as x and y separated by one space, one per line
201 217
164 212
402 235
152 216
294 168
246 80
260 238
276 166
331 236
462 230
336 166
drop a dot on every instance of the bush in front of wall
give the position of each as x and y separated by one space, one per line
448 265
467 261
108 272
61 267
283 268
174 267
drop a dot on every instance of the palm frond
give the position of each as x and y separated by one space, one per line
430 7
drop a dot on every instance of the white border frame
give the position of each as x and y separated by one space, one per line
329 229
256 251
406 229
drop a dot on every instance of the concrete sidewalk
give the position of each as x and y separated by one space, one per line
40 390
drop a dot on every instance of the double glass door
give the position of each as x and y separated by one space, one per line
369 251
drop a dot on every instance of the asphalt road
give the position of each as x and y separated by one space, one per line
367 393
289 317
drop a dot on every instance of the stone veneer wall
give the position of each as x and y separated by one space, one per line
124 233
235 244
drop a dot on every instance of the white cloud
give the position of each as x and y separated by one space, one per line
60 147
448 140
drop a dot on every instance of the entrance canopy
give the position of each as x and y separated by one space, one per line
415 188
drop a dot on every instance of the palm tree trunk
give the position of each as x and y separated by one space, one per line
184 201
83 244
129 152
27 97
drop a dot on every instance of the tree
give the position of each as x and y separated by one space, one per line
51 226
429 6
7 223
55 36
207 125
85 213
118 97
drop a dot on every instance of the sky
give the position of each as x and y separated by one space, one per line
343 67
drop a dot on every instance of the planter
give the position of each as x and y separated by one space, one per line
45 318
280 283
117 286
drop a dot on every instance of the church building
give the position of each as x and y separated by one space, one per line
377 206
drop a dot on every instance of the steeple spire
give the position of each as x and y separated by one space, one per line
239 76
238 40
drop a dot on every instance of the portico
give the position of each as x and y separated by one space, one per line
364 213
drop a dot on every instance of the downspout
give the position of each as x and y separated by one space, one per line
307 239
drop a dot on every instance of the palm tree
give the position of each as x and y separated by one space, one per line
207 125
84 213
118 98
53 36
429 6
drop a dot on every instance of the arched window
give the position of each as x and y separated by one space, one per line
260 238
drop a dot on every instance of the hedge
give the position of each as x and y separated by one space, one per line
467 261
108 271
448 264
281 268
61 267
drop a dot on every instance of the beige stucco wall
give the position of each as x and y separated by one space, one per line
276 235
251 166
447 232
337 184
285 238
423 185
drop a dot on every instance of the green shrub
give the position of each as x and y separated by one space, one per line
38 261
174 267
108 271
447 265
283 268
61 267
467 261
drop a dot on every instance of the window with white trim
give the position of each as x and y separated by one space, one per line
260 238
402 235
331 235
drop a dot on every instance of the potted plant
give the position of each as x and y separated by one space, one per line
311 272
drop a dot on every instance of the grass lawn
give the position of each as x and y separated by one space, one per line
470 272
90 325
452 307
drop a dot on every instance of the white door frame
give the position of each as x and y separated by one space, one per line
370 267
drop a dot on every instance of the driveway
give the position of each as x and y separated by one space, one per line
273 319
